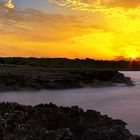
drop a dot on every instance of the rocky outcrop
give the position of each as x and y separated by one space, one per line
13 77
50 122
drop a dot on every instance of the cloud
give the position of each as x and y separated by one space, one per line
96 4
115 3
35 33
30 24
121 57
10 4
108 7
125 3
7 4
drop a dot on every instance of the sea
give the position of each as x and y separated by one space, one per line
119 102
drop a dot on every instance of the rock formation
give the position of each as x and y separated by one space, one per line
50 122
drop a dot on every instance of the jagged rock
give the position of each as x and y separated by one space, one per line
50 122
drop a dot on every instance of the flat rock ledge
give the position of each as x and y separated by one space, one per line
13 77
50 122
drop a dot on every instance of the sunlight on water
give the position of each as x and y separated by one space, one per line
118 102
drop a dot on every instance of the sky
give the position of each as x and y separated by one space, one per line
98 29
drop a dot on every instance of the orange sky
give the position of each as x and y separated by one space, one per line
99 29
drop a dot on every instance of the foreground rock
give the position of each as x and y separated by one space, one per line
13 77
50 122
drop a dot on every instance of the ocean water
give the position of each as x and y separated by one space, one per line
119 102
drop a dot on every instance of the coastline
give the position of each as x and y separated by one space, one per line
20 77
48 121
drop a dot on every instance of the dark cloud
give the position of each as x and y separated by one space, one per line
120 58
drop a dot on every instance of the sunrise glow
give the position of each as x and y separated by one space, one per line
133 56
70 28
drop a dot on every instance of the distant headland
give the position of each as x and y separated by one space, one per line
60 73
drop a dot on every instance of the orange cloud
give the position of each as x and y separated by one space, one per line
34 33
125 3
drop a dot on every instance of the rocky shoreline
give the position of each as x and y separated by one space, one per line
22 77
50 122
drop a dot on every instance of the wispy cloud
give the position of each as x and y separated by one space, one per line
36 33
96 4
